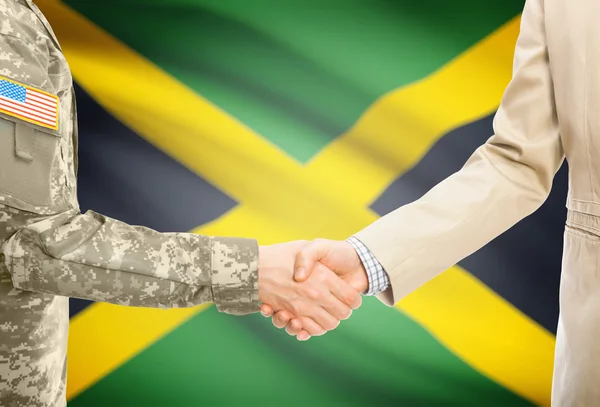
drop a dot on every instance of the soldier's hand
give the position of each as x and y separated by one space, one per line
318 304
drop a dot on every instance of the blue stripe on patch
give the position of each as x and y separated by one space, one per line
12 91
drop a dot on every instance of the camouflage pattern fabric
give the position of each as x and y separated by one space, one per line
51 251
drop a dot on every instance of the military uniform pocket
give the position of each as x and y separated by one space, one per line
27 156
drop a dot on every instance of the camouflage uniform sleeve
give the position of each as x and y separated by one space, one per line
63 252
94 257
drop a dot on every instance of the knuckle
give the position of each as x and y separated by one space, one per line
297 306
350 299
357 304
359 301
313 293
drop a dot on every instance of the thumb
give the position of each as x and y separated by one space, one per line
307 257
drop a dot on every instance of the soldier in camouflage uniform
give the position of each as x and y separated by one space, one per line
51 251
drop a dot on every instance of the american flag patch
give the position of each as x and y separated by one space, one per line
29 104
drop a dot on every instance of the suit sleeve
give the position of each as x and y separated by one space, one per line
94 257
505 180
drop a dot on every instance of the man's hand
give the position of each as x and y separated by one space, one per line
317 304
338 256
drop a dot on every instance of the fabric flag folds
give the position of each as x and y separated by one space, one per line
288 120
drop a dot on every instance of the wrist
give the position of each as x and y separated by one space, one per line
362 279
359 280
262 273
274 275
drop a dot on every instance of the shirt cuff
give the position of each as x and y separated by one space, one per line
376 275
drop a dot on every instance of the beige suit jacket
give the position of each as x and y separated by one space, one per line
550 109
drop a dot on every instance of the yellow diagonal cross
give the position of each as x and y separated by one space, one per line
281 199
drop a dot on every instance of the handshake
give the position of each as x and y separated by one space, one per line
309 287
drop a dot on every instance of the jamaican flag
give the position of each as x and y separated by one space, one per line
290 120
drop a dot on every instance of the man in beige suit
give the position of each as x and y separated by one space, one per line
550 109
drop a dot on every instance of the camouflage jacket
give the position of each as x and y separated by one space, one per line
51 251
